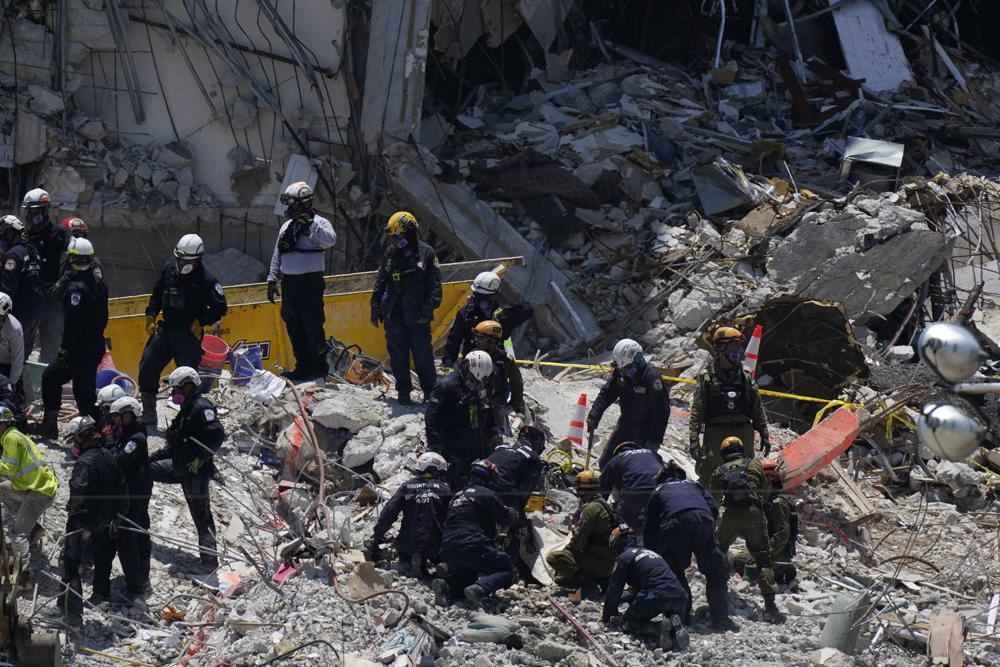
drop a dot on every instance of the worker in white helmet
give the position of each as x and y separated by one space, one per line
483 304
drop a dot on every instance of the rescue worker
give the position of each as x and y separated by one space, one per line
75 228
587 561
407 290
82 347
519 465
782 524
631 475
132 453
50 241
12 354
190 299
482 305
20 279
106 397
726 402
476 566
27 483
459 422
193 437
642 396
423 501
680 522
740 480
97 496
298 261
657 591
508 385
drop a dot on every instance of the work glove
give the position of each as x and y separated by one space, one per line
591 425
150 325
58 287
376 315
371 550
425 315
195 466
694 449
444 369
272 290
197 329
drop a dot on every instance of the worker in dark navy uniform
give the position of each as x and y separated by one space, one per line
298 262
477 567
657 591
642 396
680 522
85 303
132 451
407 290
20 279
507 384
51 241
519 465
483 304
631 476
190 299
459 420
194 436
423 502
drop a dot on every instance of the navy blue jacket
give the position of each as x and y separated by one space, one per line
670 499
407 285
197 419
473 516
459 421
644 403
132 453
20 279
647 573
85 308
518 470
185 298
423 502
631 470
461 340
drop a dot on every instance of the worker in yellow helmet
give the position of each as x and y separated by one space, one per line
407 290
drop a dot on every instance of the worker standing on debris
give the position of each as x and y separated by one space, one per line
725 402
459 421
782 524
476 567
740 480
97 496
482 305
680 522
298 262
587 561
21 280
85 305
644 401
657 591
190 299
27 484
50 241
507 384
407 290
12 354
132 452
423 501
631 475
519 465
193 437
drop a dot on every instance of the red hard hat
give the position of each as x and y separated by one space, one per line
73 224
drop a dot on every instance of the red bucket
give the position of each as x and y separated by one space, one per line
215 351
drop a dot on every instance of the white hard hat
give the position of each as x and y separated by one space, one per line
479 364
109 394
126 404
6 304
182 375
11 222
486 282
431 461
625 352
6 414
189 247
78 425
296 192
36 197
950 350
81 247
949 432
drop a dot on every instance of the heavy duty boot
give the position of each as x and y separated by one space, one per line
50 424
673 634
149 409
474 594
441 592
771 612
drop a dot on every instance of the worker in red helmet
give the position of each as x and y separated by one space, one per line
75 227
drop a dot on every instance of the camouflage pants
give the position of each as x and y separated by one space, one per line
750 524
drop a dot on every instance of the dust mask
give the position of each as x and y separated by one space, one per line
178 398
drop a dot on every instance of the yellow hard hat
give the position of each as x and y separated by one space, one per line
489 328
731 446
400 223
726 335
588 481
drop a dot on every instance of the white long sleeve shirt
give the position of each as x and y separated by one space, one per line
12 347
308 255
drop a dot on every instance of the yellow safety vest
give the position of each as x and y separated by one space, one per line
24 466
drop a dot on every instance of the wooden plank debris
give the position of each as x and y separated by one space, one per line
946 638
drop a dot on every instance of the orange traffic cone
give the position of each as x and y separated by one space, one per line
753 350
576 421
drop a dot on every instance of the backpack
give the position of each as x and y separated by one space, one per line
735 483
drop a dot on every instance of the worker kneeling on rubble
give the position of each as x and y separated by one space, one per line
726 402
680 522
644 401
630 475
298 261
27 483
423 501
476 567
190 298
657 591
507 385
782 524
459 421
85 304
193 437
587 561
740 479
407 290
519 465
132 452
483 304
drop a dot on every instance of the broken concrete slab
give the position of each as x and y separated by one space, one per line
30 138
872 53
45 102
363 447
349 407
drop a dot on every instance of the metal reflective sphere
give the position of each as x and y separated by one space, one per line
949 432
951 350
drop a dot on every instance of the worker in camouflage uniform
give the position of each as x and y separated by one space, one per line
726 402
587 561
740 480
782 524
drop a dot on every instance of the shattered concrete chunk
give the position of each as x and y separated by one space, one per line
363 447
45 102
232 267
349 407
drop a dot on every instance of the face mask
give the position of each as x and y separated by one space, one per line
38 218
178 399
117 430
401 242
735 357
185 266
485 305
630 371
